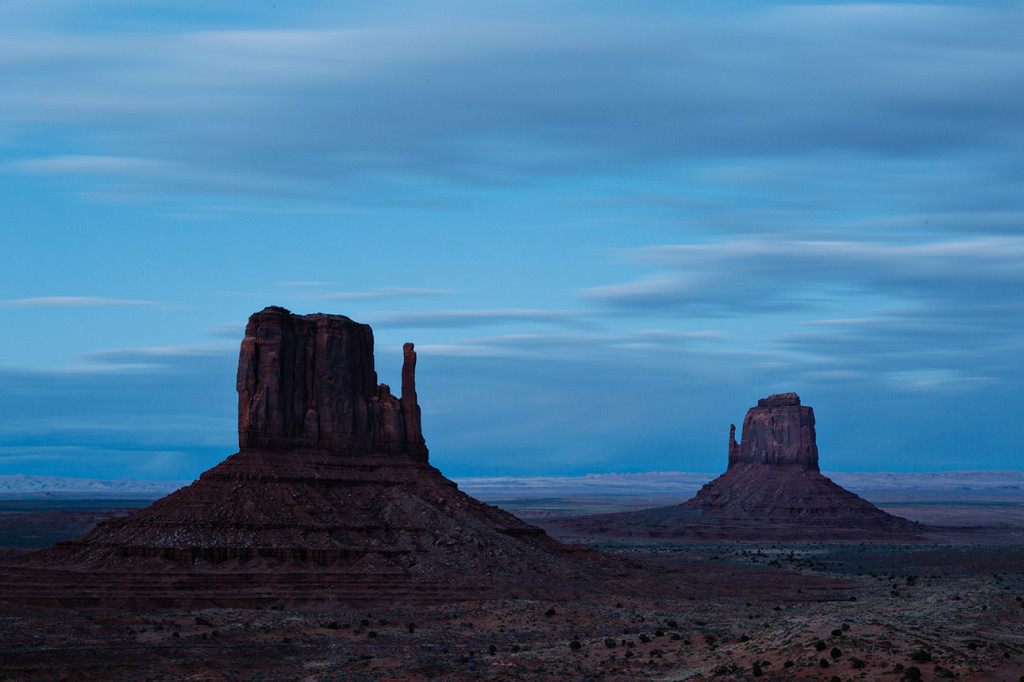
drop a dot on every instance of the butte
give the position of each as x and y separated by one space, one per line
771 490
329 500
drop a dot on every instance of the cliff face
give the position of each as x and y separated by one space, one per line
307 382
778 432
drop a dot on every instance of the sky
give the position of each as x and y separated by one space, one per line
608 227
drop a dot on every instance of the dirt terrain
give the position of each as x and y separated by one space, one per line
731 612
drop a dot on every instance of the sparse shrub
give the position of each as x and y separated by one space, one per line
575 645
673 624
202 621
176 634
676 636
856 663
846 627
755 669
609 642
372 634
644 638
364 623
920 656
333 625
836 652
659 633
744 638
516 648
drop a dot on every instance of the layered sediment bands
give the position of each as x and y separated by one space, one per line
331 480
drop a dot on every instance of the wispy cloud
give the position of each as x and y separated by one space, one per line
385 292
477 318
71 302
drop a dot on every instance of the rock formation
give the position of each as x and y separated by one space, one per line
778 432
308 383
771 490
330 498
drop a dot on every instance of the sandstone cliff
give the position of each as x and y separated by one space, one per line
308 382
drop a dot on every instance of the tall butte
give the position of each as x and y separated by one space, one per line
771 490
329 499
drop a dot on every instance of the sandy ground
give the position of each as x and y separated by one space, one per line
729 612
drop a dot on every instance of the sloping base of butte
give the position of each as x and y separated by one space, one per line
330 500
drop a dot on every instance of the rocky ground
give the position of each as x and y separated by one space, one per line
729 612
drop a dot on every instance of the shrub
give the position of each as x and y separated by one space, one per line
492 649
838 632
333 625
856 663
755 669
836 652
575 645
609 642
549 612
372 634
824 663
920 656
788 664
912 674
820 645
644 638
412 627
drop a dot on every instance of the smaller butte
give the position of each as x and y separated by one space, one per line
771 490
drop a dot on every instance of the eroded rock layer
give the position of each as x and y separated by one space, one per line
331 484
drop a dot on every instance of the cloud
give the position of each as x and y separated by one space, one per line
385 292
451 319
514 94
71 302
761 274
157 356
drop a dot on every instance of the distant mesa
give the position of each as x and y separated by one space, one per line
771 490
330 499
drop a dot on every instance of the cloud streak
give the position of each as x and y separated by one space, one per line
71 302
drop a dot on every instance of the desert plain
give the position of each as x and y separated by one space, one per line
948 606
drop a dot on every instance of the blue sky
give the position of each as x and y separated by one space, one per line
608 227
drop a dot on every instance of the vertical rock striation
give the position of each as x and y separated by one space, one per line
778 432
307 382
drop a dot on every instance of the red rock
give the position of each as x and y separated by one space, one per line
778 432
771 490
330 498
